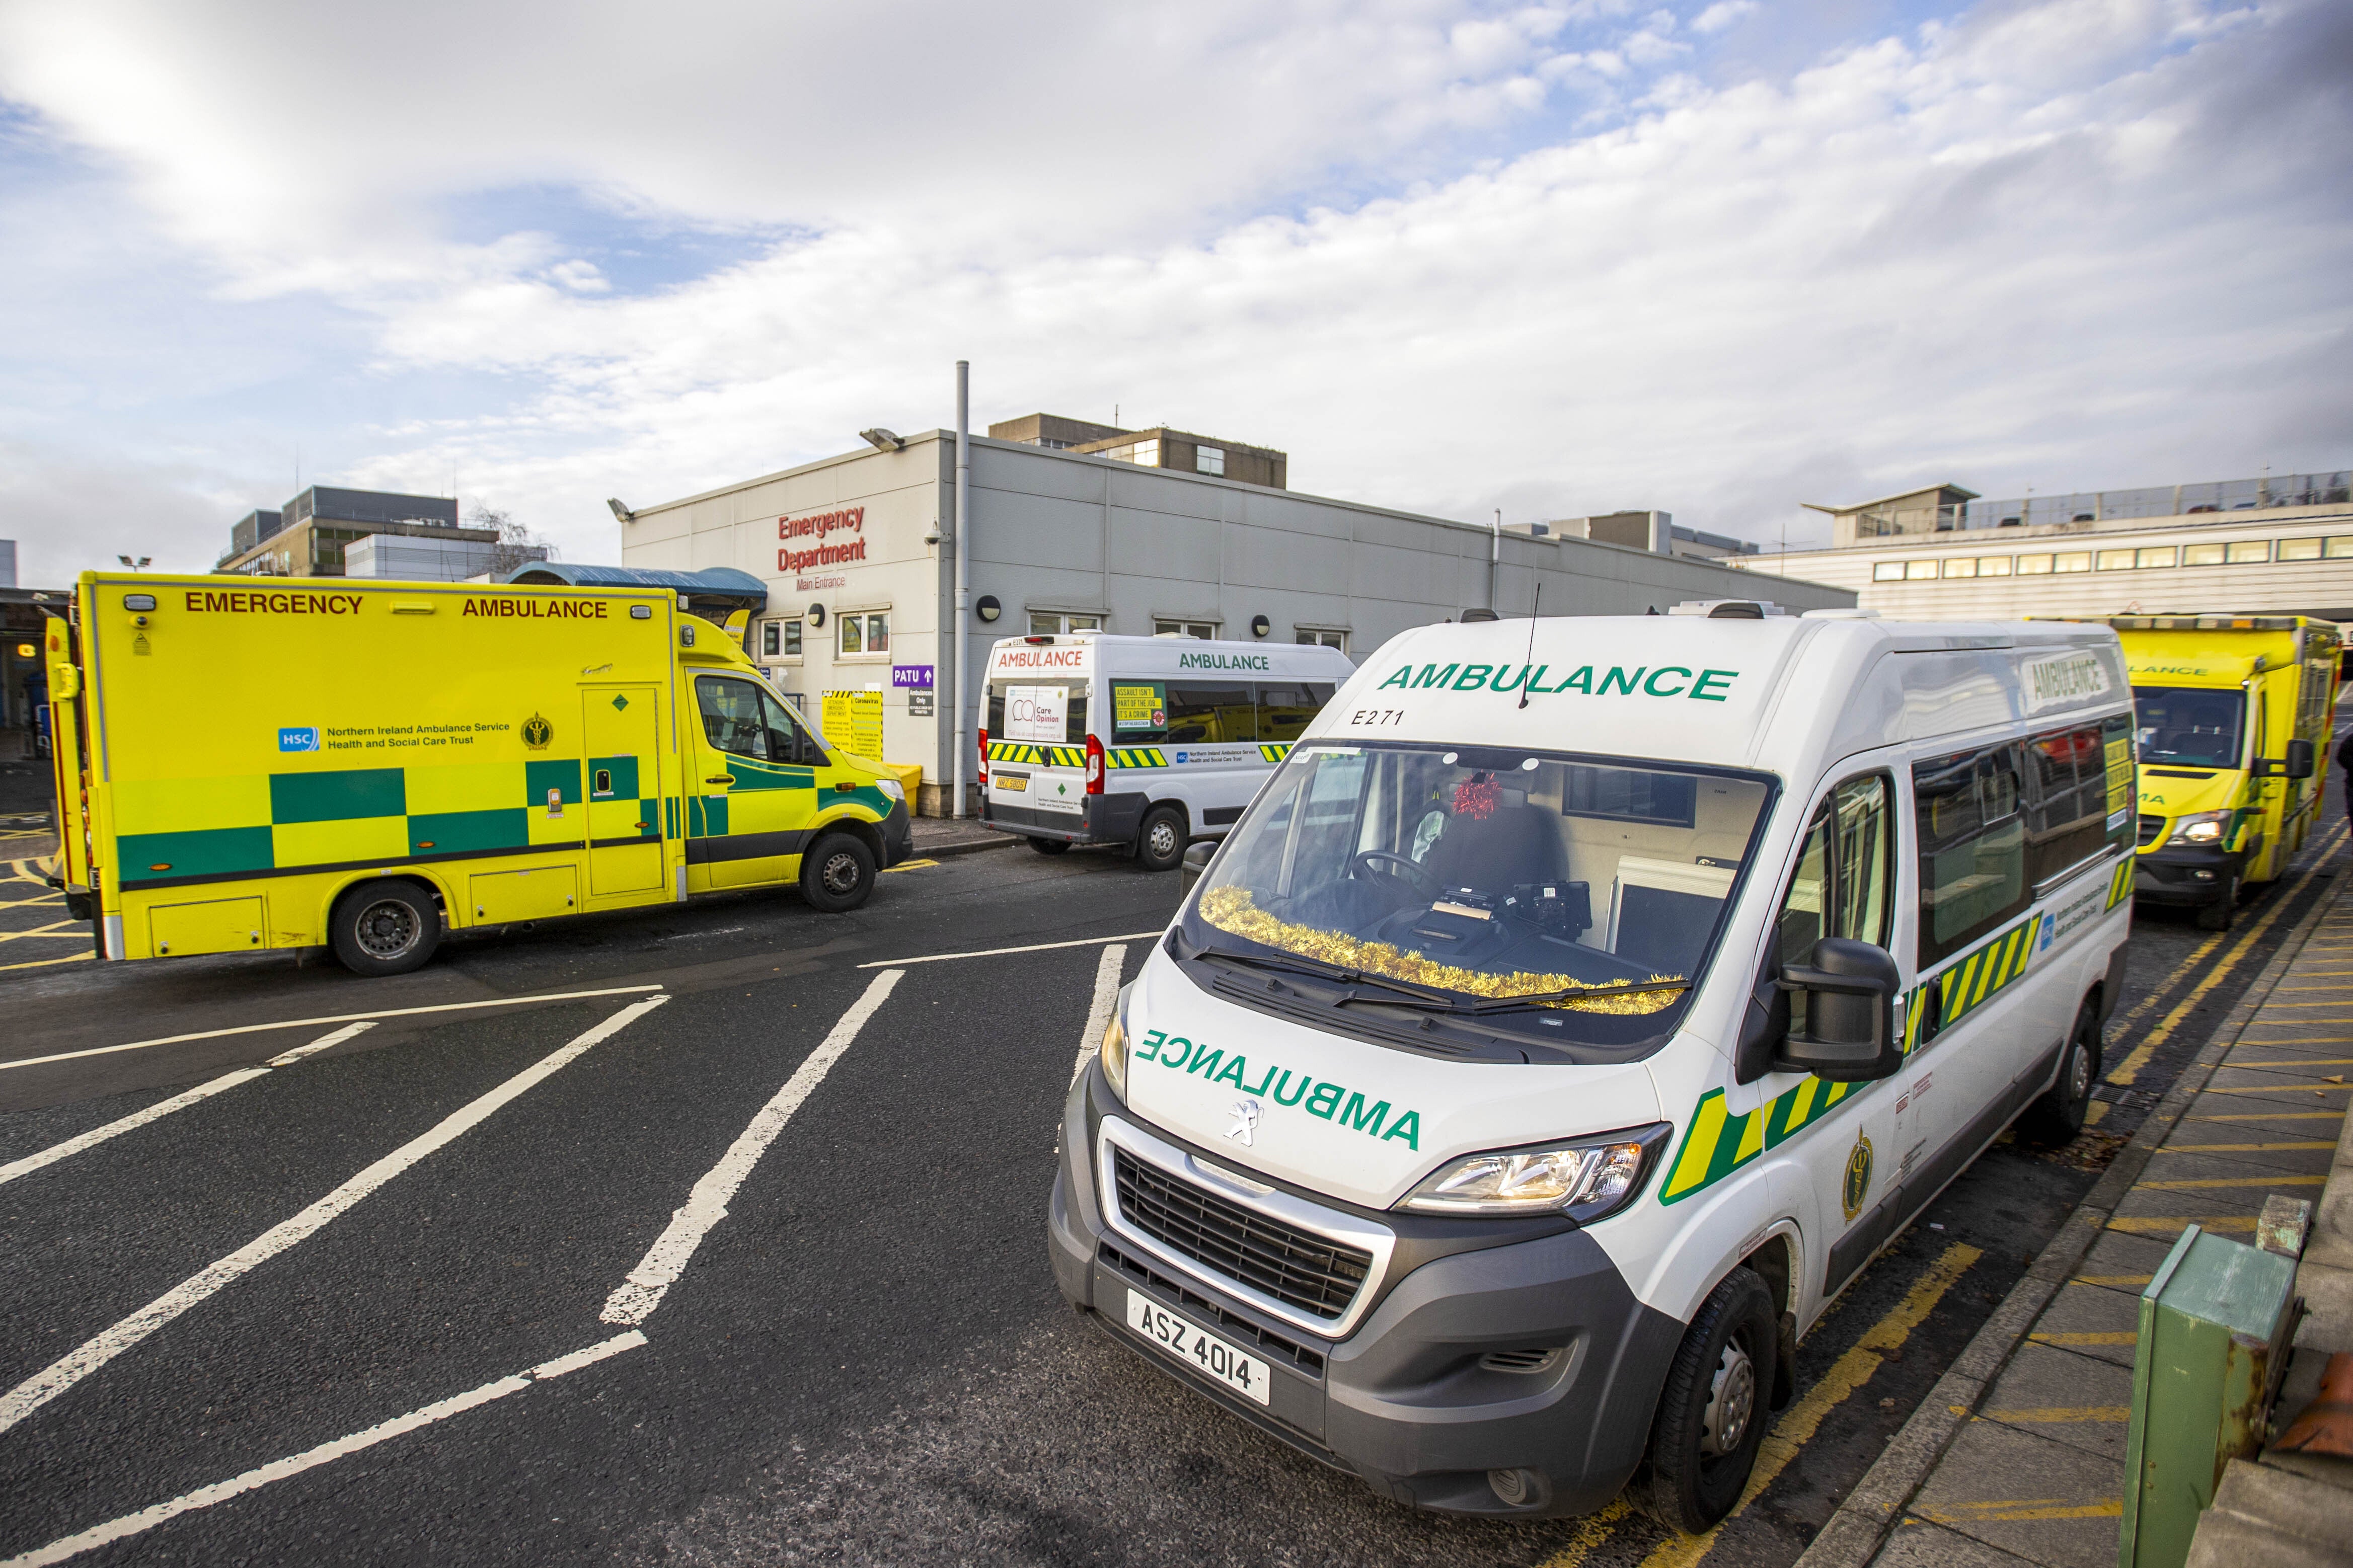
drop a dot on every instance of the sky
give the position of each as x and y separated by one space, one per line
1719 257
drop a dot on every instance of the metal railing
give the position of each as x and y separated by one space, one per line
2100 506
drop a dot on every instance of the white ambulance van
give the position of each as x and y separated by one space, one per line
1580 1006
1146 741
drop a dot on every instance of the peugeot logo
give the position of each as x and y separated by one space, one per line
1245 1128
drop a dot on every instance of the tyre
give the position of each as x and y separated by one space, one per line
1050 846
837 874
1160 841
1712 1413
2218 915
2058 1115
384 927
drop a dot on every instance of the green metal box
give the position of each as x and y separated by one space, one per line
2215 1323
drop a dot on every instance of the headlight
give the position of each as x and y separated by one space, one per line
892 788
1115 1048
1587 1179
2199 827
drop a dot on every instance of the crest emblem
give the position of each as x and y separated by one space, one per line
537 733
1857 1185
1244 1131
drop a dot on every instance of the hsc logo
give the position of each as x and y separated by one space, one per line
305 738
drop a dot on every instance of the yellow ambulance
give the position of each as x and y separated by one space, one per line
2234 715
246 763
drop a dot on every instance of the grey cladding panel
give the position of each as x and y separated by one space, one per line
1142 489
1030 473
1143 544
1040 531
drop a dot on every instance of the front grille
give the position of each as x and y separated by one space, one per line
2150 826
1295 1266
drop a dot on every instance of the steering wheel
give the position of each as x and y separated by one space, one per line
1405 870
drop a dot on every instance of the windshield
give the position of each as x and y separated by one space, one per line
1519 886
2188 726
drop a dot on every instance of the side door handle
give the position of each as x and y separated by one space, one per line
721 779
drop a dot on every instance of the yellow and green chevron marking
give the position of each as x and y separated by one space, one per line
1042 756
1136 757
1275 751
2120 885
1719 1143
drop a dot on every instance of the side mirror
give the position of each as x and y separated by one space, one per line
2299 758
1849 1032
1196 860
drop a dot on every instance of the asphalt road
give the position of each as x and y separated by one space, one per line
863 1360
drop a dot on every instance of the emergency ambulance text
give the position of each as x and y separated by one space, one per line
539 609
1327 1100
260 602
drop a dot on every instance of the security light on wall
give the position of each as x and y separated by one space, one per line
987 608
882 440
816 614
620 512
1261 625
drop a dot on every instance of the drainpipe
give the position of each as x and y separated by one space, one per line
1494 558
961 638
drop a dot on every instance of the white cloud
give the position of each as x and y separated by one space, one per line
2066 243
1723 15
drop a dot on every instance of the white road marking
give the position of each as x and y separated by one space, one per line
336 1018
999 951
1099 1011
634 1299
164 1108
76 1364
310 1458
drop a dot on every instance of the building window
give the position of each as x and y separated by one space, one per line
1054 622
780 639
2340 546
1143 454
1919 571
2034 565
2071 561
2160 557
1312 636
2201 554
1993 566
2299 549
865 633
2248 550
1963 566
1206 630
1887 572
1209 460
2116 560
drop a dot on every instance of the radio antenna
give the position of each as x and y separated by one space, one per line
1532 608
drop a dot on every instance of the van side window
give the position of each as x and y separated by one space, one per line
1972 847
1205 713
1842 884
1284 709
2068 824
740 718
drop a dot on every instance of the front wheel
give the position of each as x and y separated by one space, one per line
1710 1414
2058 1115
2218 915
1160 842
384 927
837 874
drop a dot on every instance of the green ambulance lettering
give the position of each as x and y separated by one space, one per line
1433 676
1619 680
1404 676
1474 676
1581 681
1666 680
1320 1099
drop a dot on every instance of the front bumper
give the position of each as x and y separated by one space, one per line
1404 1401
1100 819
2186 877
898 835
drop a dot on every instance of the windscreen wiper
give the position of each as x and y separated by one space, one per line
1413 993
1575 994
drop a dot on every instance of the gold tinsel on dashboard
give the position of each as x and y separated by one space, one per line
1233 910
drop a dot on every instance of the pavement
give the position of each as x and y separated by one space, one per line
2018 1456
282 1289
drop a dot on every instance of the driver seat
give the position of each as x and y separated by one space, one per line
1515 847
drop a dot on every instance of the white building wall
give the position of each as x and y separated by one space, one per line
1073 535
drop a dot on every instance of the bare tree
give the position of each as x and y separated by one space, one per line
518 546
